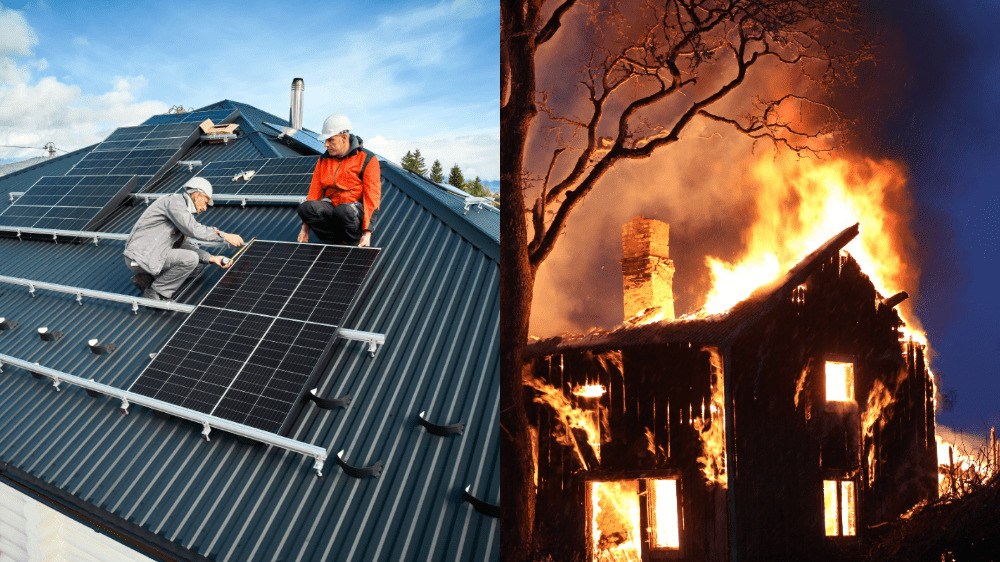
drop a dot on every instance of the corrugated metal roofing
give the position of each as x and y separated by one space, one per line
154 480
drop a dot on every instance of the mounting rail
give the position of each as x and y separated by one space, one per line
233 198
206 421
80 293
95 236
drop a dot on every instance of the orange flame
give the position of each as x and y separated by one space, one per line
589 391
614 521
802 203
711 427
570 417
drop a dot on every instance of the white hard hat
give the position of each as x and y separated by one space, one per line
334 125
202 185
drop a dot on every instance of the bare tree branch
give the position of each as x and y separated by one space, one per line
554 22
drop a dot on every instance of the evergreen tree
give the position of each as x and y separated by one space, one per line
437 173
477 189
455 177
419 166
407 161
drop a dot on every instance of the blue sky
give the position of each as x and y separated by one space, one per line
409 75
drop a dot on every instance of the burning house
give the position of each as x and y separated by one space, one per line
784 428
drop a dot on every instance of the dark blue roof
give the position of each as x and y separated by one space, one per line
153 482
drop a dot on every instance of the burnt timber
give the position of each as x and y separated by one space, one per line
763 361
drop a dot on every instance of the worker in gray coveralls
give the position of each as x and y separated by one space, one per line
158 250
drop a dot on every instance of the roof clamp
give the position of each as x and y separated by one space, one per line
359 471
318 465
55 237
243 202
205 430
486 508
79 298
123 410
329 403
441 430
31 289
96 238
55 383
19 234
135 307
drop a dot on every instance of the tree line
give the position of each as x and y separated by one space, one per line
414 162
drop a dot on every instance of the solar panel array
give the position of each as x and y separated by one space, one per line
216 115
144 151
67 202
271 176
251 347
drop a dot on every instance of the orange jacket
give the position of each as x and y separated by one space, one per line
339 179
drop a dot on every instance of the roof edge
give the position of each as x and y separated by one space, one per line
457 222
114 526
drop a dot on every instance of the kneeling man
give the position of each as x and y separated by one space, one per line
157 250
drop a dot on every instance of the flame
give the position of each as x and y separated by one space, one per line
712 428
570 417
878 399
614 521
589 391
961 461
665 525
802 203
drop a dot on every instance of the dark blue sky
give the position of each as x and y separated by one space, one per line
932 100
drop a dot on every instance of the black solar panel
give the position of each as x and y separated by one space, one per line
251 347
68 202
271 176
216 115
144 151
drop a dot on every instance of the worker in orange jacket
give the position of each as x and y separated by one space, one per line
345 191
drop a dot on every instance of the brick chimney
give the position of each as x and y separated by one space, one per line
647 270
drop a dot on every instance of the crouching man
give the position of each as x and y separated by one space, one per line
157 249
345 191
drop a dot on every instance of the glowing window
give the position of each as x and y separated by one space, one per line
839 381
614 510
839 507
663 523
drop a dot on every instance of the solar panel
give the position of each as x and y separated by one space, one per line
216 115
68 202
251 348
304 138
271 176
144 151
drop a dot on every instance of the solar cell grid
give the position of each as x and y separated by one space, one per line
249 348
272 176
66 203
216 115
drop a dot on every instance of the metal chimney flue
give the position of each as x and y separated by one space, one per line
295 114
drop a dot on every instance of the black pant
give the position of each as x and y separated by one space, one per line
340 224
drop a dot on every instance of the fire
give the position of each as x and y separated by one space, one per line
614 520
963 461
570 417
712 429
802 203
589 391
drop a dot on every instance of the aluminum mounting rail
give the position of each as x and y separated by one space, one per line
207 422
80 293
231 198
372 339
479 202
56 233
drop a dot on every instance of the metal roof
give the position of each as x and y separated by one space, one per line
154 483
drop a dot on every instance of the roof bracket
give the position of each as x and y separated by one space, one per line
79 298
96 238
479 505
55 383
135 307
205 430
49 335
31 289
318 465
123 409
99 348
359 472
371 338
329 403
243 202
441 430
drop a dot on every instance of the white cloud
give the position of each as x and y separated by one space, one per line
47 110
475 154
80 40
16 36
